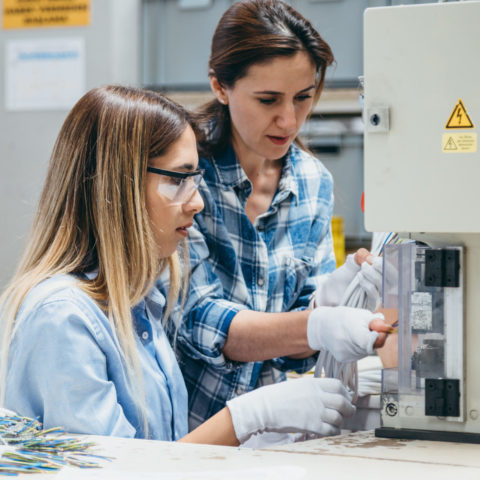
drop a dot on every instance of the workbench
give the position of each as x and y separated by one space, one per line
352 456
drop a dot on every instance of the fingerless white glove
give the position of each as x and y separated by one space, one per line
333 285
342 331
307 405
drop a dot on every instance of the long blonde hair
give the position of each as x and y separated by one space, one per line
92 214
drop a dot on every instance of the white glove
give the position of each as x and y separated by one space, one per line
370 280
307 405
342 331
332 286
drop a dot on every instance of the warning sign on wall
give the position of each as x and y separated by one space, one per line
459 117
45 13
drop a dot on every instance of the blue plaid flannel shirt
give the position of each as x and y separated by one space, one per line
271 266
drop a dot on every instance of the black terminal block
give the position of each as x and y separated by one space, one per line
442 267
442 397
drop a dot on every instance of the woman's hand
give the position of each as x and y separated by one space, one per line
315 406
349 334
386 343
359 277
333 285
363 255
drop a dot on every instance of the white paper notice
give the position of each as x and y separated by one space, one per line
44 74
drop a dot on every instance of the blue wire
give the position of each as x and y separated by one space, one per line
385 242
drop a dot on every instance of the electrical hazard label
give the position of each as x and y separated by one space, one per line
459 142
459 117
45 13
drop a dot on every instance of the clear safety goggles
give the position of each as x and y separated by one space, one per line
178 187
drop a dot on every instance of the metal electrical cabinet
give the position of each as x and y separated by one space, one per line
111 49
422 112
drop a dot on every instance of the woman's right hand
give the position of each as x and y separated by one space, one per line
349 334
316 406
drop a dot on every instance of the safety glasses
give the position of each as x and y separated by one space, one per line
178 187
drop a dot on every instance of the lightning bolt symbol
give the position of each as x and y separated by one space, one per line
459 115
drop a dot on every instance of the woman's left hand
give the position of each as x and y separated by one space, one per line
330 292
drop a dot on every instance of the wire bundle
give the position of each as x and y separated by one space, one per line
35 450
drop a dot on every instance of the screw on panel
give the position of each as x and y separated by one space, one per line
375 119
391 409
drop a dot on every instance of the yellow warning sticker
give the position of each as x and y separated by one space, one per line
459 142
459 117
45 13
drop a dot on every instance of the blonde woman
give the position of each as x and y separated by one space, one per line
83 339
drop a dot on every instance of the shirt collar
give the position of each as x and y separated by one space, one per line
91 275
154 297
231 173
288 183
146 312
229 170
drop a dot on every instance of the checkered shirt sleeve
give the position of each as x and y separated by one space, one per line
273 265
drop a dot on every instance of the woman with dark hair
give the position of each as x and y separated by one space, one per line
263 245
83 344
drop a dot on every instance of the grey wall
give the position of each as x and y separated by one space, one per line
26 138
177 40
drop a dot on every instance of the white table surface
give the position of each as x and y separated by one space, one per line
353 456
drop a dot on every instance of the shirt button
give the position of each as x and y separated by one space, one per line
145 335
260 282
239 390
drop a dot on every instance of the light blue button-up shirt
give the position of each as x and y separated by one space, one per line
65 367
